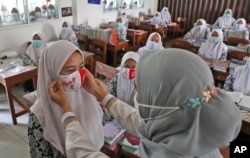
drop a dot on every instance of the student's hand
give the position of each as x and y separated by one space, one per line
95 86
58 95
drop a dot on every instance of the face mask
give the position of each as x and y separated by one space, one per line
214 39
51 11
31 17
65 29
128 73
199 27
153 45
37 43
157 18
73 81
137 105
227 15
239 26
38 14
118 25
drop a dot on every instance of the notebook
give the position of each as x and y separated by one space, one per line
245 103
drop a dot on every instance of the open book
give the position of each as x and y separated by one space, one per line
245 103
235 96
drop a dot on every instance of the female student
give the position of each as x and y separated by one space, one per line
122 85
153 43
241 27
165 15
177 109
226 21
214 47
157 21
199 32
35 50
68 33
122 30
239 79
125 20
64 61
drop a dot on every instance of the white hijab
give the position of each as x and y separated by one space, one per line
244 24
165 15
147 46
213 50
227 22
36 53
67 35
242 79
125 87
83 104
200 34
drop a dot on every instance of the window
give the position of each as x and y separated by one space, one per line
109 5
17 12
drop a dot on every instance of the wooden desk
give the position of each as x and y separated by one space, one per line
245 122
89 60
141 37
11 77
115 48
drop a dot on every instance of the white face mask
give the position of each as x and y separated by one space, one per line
137 105
73 81
65 29
153 45
128 73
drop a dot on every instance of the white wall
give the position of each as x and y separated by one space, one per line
16 37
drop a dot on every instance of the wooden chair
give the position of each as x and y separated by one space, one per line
237 55
148 28
132 39
99 47
131 25
83 42
181 43
233 41
105 70
181 21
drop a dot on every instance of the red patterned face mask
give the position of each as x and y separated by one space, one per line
129 73
73 81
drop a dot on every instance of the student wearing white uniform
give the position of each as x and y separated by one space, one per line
157 21
153 43
226 21
122 85
64 61
122 30
214 47
68 33
125 20
165 15
199 32
179 104
240 26
35 50
239 79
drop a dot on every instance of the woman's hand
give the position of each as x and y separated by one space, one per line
58 95
95 86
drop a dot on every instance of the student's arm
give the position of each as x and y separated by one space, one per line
217 23
246 34
189 35
112 86
228 85
123 113
27 56
207 34
123 33
224 53
78 144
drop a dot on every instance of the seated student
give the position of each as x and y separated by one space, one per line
165 15
124 19
177 110
122 85
226 21
35 50
153 43
214 47
240 26
51 11
38 12
157 21
64 61
68 33
239 79
199 32
122 30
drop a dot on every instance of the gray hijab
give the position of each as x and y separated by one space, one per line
170 77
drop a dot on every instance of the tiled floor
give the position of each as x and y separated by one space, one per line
13 138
